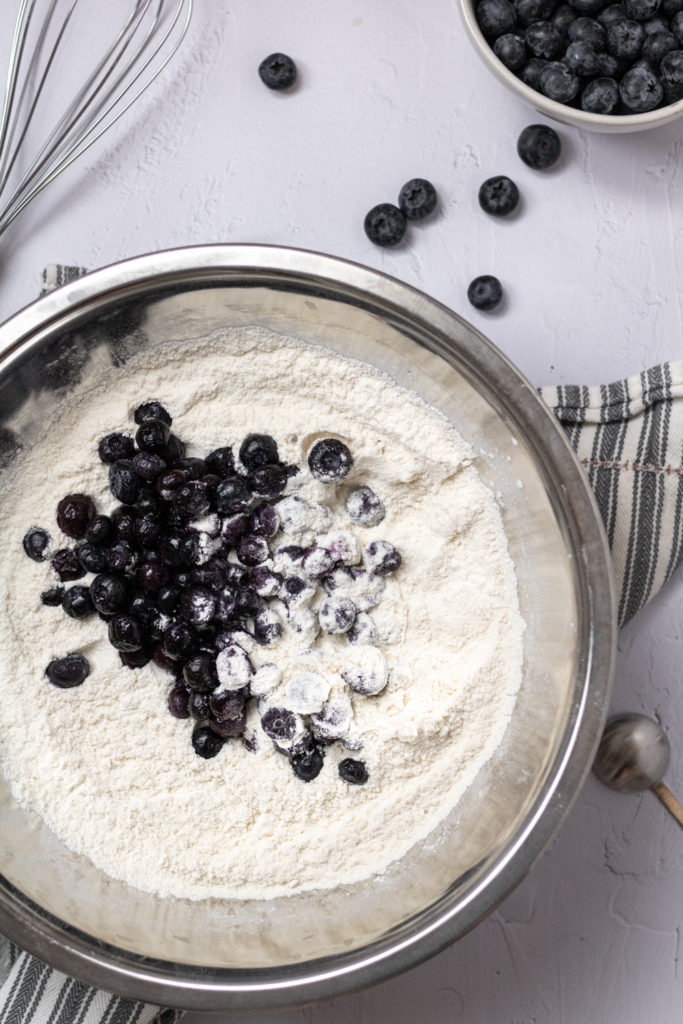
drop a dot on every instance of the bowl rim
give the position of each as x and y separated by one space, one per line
215 989
576 118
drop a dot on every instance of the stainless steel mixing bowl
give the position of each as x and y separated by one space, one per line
215 954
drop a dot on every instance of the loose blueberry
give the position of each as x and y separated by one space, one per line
52 597
76 602
539 146
279 724
382 558
364 507
417 198
74 513
499 196
277 71
232 495
511 50
36 542
65 563
307 766
100 530
485 292
258 450
354 772
640 90
268 481
124 633
178 700
558 82
92 558
385 224
329 460
69 671
124 483
600 96
496 17
336 614
367 671
114 447
206 742
544 40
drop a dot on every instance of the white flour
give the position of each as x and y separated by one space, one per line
114 774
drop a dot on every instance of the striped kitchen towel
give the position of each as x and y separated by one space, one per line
629 438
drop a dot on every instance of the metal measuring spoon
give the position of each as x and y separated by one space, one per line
633 755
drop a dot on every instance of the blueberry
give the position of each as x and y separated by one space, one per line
152 575
226 705
143 608
499 196
205 741
100 530
153 436
625 39
247 603
640 90
152 411
74 513
294 585
65 563
582 59
124 483
168 482
252 550
656 24
385 224
114 447
76 602
92 558
168 598
563 18
233 667
511 50
329 460
228 728
308 765
221 461
317 562
180 640
124 633
544 40
641 10
600 96
367 674
264 521
336 614
588 7
36 542
122 557
232 495
267 626
531 72
174 450
195 548
670 8
611 67
178 700
558 82
198 705
52 597
269 481
417 198
279 724
485 292
277 71
69 671
588 30
363 630
192 499
123 521
353 771
364 507
496 17
148 465
677 25
236 575
611 15
197 605
258 450
656 47
264 581
147 529
529 11
109 594
382 558
134 659
539 146
199 673
671 71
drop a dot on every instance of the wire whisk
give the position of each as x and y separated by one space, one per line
139 51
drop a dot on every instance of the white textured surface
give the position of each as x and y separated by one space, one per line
592 264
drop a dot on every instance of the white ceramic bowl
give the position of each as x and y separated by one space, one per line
608 123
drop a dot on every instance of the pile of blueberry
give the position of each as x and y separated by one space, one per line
187 572
606 58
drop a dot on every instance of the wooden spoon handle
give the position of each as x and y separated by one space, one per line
673 806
